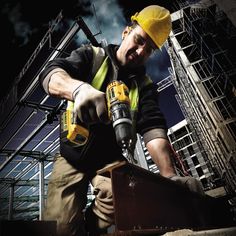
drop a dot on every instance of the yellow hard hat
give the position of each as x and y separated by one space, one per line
156 22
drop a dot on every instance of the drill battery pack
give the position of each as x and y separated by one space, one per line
73 132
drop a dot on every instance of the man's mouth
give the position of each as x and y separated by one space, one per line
133 56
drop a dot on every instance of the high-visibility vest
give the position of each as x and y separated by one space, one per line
99 72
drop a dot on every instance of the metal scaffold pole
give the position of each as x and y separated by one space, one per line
41 189
11 201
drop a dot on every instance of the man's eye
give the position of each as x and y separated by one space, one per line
139 40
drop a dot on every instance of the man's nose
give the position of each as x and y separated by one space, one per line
140 51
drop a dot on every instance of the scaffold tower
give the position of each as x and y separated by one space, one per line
203 72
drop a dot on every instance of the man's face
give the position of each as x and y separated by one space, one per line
135 48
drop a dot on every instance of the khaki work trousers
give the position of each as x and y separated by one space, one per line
67 199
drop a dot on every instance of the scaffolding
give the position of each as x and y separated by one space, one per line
203 71
29 126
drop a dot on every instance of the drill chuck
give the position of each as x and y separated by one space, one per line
122 124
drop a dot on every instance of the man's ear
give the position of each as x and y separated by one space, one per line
126 32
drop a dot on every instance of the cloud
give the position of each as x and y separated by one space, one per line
22 29
106 20
157 65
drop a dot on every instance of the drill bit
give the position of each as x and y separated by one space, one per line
127 152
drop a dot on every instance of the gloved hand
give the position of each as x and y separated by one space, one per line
90 104
191 183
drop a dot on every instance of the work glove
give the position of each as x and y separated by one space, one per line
90 104
189 182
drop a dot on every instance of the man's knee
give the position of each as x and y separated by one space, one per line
102 206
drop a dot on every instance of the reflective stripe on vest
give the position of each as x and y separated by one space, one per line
100 75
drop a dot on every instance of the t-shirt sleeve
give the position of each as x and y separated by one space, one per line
77 65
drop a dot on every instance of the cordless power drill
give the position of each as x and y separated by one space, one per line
118 103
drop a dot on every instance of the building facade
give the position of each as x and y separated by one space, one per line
203 73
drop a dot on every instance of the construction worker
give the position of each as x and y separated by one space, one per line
72 78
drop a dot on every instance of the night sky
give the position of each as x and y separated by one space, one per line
24 23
